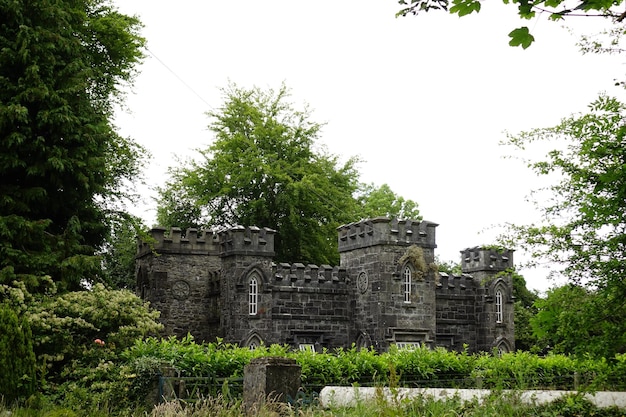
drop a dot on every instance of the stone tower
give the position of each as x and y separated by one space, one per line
492 268
181 278
392 265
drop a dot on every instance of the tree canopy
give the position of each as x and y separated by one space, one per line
555 10
63 167
266 169
582 231
376 201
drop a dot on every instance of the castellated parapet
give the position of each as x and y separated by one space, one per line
240 240
486 259
386 231
224 283
308 275
195 241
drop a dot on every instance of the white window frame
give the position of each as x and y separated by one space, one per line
499 306
408 345
253 296
307 347
407 276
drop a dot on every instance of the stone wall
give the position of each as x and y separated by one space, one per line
202 285
458 298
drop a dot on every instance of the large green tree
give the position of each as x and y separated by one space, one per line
582 232
63 167
575 319
264 169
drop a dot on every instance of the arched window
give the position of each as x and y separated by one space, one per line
254 341
253 296
499 306
406 284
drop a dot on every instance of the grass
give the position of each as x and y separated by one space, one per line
498 405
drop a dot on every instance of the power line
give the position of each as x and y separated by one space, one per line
178 77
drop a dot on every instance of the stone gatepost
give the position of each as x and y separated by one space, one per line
269 377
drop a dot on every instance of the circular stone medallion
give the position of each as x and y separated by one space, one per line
180 289
362 282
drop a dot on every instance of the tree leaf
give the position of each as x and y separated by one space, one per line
521 37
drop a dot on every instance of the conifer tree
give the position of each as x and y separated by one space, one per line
17 358
61 161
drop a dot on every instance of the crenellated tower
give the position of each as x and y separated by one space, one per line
391 263
246 254
180 277
492 268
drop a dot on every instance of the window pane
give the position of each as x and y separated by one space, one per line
253 296
407 284
499 306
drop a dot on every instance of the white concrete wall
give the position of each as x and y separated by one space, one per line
349 396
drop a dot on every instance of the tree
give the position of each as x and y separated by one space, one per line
556 10
118 254
62 165
524 311
573 319
17 358
382 201
264 169
583 228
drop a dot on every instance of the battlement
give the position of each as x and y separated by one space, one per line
486 259
450 284
386 231
313 275
194 242
252 240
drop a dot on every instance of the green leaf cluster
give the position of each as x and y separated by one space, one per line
526 9
377 201
574 319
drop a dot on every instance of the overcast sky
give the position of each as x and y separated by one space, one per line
424 101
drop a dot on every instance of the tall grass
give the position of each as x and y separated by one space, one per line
498 404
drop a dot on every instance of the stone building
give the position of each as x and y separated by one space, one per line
385 291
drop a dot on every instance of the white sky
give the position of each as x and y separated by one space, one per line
422 100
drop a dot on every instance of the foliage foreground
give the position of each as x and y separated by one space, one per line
125 382
497 405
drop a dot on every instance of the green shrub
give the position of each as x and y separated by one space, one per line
17 358
66 328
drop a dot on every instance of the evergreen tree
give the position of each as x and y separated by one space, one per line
17 358
61 161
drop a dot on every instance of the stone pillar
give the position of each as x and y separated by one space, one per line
269 377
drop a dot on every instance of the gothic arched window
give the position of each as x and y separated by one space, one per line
406 284
253 295
499 306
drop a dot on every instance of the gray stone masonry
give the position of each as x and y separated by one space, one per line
269 378
385 291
